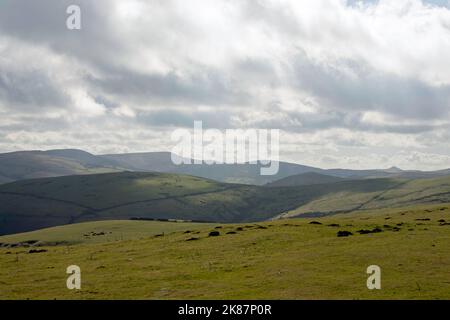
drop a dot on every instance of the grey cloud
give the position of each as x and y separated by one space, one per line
43 23
203 87
30 90
370 90
177 118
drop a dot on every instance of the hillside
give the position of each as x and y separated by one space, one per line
41 164
230 173
404 193
250 261
24 165
40 203
98 232
304 179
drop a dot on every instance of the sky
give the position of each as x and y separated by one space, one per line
350 84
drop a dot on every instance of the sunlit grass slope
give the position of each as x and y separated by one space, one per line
286 259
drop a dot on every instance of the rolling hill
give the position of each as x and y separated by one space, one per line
24 165
304 179
404 193
230 173
39 203
54 163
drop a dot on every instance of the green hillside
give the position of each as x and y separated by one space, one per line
406 192
304 179
39 164
98 232
21 165
40 203
286 259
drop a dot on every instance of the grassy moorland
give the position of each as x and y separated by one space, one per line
284 259
99 232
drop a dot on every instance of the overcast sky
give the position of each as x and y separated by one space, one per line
354 84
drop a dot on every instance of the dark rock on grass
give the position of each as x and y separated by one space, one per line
231 232
387 218
159 235
8 252
37 251
443 209
334 225
218 227
411 229
364 231
423 219
441 221
94 234
396 229
344 233
445 224
192 239
239 229
315 222
30 242
261 227
387 226
187 231
399 224
214 234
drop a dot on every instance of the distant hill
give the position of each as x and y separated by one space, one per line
40 164
23 165
309 178
230 173
39 203
53 163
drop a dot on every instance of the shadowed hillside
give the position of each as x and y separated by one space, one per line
309 178
39 203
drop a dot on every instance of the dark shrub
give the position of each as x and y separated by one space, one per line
344 233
